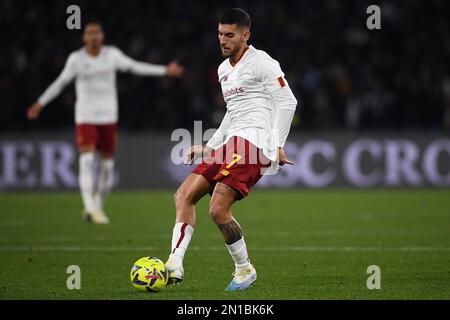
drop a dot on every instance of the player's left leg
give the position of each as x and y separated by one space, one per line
220 205
105 180
107 148
193 188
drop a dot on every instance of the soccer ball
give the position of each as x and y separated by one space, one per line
149 274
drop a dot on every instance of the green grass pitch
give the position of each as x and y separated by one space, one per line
304 245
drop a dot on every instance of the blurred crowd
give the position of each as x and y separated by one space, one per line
344 76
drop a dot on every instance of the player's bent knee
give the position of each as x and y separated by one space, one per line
219 213
182 196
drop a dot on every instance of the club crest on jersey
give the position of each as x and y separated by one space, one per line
225 79
232 92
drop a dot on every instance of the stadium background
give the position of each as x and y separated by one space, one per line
374 111
348 80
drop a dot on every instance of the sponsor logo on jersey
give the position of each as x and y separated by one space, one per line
232 92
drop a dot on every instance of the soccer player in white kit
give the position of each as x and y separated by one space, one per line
260 108
94 69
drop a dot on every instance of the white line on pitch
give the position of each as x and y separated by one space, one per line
281 234
221 248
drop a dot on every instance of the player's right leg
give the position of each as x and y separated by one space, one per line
86 139
86 181
190 191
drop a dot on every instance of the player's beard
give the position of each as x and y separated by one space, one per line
226 55
96 45
231 53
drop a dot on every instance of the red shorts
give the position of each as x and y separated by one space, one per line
237 164
102 137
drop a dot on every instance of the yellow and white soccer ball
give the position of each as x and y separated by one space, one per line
149 274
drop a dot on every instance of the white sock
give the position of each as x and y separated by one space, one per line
86 180
105 182
238 252
181 236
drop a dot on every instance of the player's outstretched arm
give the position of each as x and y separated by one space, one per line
53 90
127 64
174 70
34 110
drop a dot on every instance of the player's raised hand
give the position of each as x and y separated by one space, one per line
174 70
34 110
282 159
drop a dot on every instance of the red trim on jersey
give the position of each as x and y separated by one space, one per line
281 82
183 228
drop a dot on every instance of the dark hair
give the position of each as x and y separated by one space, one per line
236 16
92 21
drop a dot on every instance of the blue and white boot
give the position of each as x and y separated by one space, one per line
244 277
175 270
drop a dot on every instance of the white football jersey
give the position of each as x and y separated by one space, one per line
251 111
95 83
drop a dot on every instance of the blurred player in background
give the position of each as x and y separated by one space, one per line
260 107
94 69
